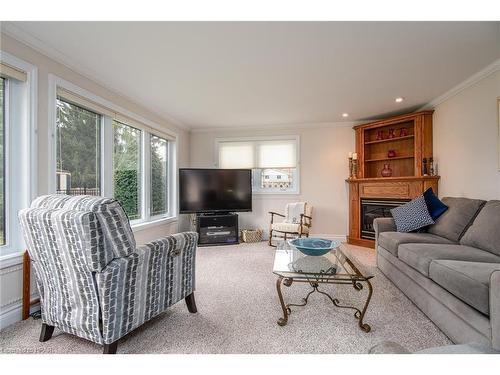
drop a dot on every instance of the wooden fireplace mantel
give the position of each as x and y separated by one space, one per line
388 187
409 178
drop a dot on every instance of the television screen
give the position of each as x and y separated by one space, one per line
215 190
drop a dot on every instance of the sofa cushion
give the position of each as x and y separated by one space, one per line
485 230
468 281
412 215
391 240
455 221
420 255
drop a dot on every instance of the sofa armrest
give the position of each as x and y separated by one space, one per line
383 224
495 309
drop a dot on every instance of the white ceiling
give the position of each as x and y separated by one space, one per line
230 74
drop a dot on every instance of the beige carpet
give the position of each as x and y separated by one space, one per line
238 309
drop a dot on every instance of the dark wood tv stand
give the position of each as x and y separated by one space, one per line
217 229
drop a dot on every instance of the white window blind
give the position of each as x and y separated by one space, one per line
7 71
277 154
258 154
236 155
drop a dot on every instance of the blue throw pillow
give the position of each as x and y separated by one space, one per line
434 205
412 215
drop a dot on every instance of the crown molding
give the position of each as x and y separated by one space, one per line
306 125
472 80
17 33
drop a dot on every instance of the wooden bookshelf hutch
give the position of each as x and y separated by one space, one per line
410 145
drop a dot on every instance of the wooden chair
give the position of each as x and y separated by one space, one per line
293 225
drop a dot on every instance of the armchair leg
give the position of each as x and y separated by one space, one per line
271 237
191 304
110 348
46 332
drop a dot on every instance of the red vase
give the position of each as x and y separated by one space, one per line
380 135
387 171
403 132
391 133
391 154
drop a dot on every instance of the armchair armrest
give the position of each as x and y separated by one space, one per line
145 283
302 222
275 213
495 309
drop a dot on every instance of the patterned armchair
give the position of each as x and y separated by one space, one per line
297 222
93 281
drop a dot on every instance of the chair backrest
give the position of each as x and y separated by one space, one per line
293 211
65 247
119 239
69 238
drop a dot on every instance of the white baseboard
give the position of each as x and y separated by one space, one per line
335 237
14 314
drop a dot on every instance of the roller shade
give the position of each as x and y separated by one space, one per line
277 154
83 102
236 155
7 71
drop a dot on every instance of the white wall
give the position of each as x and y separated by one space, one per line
11 274
323 170
466 141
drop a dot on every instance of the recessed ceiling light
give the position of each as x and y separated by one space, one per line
345 114
399 99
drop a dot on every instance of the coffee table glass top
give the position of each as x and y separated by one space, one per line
290 262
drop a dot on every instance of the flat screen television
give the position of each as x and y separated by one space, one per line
215 190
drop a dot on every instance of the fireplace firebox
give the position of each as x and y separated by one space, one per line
374 208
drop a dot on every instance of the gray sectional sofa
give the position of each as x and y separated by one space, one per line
452 271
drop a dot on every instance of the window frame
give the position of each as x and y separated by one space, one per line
255 182
21 109
128 118
142 211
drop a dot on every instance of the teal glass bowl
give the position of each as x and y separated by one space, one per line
314 246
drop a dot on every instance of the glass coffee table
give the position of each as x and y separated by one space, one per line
335 267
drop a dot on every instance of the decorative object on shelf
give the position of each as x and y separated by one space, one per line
431 166
350 164
251 235
403 132
314 246
355 165
391 133
424 167
391 154
387 171
380 135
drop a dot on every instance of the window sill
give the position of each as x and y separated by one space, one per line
275 193
11 259
137 227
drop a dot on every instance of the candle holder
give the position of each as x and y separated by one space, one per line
355 168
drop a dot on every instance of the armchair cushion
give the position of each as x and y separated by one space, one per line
289 227
293 211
